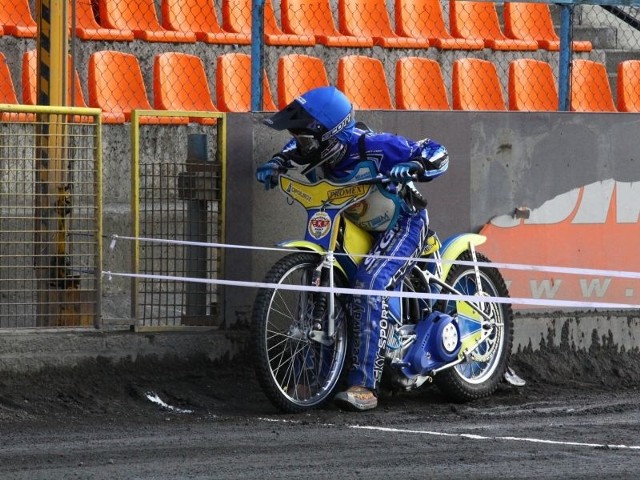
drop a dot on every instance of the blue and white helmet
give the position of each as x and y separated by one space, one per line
321 121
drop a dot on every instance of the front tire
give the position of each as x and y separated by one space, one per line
479 377
295 372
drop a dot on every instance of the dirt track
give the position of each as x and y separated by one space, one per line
577 417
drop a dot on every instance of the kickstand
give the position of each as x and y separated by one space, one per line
512 378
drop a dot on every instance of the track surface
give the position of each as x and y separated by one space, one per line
577 417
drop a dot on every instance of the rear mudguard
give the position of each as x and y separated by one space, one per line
305 245
453 247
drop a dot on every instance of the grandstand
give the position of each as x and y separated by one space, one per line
439 30
124 55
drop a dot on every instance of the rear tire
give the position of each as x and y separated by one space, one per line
480 376
295 372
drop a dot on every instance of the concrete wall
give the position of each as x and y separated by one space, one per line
499 161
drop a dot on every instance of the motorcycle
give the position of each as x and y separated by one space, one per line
442 330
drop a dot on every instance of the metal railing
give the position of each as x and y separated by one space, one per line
50 217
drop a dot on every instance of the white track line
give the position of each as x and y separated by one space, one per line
513 439
470 436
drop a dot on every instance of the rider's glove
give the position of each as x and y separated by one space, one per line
405 171
268 171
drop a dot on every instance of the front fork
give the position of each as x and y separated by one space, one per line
318 334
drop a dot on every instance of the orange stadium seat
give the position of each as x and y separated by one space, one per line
590 89
16 19
532 21
233 84
88 29
199 17
479 20
116 86
629 86
419 85
363 81
30 86
476 85
532 86
139 16
370 19
314 16
236 17
180 83
424 19
297 74
8 95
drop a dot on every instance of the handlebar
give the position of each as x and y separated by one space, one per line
384 180
380 179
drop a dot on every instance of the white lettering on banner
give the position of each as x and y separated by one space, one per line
628 202
594 286
594 203
548 288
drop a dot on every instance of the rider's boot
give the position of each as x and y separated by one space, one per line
356 398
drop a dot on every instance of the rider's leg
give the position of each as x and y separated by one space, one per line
393 252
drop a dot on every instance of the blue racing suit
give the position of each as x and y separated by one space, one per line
398 237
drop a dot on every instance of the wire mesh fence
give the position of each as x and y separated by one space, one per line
49 223
198 55
215 37
178 200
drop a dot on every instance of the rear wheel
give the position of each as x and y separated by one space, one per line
480 375
296 372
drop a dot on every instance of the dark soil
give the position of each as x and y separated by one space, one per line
120 392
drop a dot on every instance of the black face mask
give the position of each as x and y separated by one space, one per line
307 144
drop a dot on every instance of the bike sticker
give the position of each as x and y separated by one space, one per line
319 225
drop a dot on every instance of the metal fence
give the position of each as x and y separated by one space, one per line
50 224
177 207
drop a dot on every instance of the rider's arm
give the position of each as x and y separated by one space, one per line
433 158
279 163
285 156
424 158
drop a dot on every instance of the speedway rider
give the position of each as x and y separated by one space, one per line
327 143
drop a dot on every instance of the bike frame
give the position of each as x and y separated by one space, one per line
325 202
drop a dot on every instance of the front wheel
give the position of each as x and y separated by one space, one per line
480 375
296 371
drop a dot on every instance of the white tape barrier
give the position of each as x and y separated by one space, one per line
387 293
510 266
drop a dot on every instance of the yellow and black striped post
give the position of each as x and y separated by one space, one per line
52 170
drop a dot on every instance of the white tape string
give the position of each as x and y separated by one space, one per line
386 293
508 266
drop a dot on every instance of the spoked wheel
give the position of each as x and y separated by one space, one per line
480 375
297 372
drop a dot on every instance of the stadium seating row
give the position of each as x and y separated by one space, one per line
116 85
362 23
475 84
